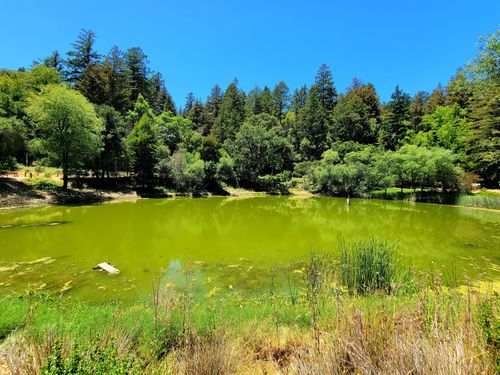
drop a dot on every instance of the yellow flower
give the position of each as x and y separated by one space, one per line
212 292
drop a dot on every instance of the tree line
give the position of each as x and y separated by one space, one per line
111 114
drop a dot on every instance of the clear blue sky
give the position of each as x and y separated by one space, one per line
196 44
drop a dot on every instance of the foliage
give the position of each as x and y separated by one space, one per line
356 170
188 171
174 130
144 144
274 184
93 359
12 141
258 151
231 115
347 179
447 128
264 132
395 120
225 169
44 184
68 124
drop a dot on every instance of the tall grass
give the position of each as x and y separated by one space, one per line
371 266
481 200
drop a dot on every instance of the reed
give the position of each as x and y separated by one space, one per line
369 266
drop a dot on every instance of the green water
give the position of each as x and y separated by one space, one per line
227 242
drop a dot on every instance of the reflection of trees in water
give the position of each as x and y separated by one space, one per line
31 216
270 231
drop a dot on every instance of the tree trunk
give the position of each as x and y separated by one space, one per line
65 169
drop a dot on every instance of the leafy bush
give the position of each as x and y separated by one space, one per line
188 171
8 164
274 184
93 359
225 168
43 184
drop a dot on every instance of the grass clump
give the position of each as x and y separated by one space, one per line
370 266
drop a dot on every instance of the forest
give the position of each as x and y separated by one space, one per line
110 116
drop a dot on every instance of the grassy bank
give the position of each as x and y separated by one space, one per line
482 199
32 186
363 312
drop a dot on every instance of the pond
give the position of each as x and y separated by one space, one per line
228 242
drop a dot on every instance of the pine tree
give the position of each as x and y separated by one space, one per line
82 55
197 116
119 89
264 102
351 120
190 99
232 113
459 90
214 101
212 108
251 100
299 99
113 155
157 93
368 94
417 110
484 140
94 83
435 99
396 120
144 142
136 62
54 61
310 133
169 104
327 93
281 99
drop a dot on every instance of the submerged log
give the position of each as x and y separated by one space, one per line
105 266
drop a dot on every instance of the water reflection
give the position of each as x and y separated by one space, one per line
232 242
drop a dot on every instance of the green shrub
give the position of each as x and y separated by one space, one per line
490 322
8 164
274 184
43 184
94 359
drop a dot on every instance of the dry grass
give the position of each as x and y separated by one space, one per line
436 331
400 345
24 355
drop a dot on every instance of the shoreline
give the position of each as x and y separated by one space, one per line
21 195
